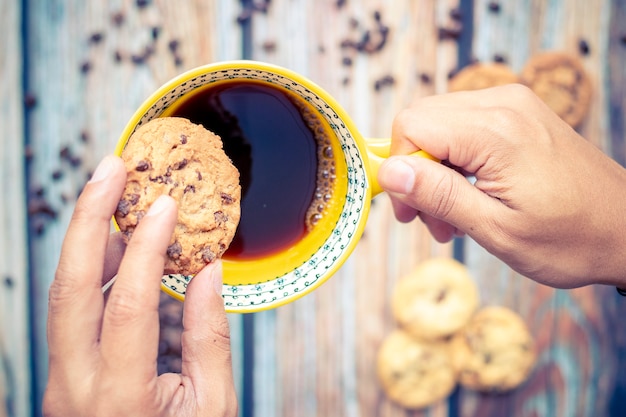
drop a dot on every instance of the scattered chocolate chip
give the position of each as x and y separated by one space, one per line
8 282
142 166
622 39
583 47
269 46
123 208
425 78
455 14
494 7
207 255
155 31
346 61
137 59
245 15
385 81
499 58
39 206
117 56
340 3
174 250
30 100
57 175
178 61
84 136
96 38
452 73
39 227
226 199
173 45
65 152
377 16
448 33
353 23
118 18
183 138
28 152
142 3
345 81
85 67
321 49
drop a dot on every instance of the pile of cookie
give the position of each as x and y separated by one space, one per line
558 78
445 338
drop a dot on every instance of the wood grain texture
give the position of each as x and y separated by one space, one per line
91 64
317 355
14 337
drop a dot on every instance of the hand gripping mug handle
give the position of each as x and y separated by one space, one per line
378 150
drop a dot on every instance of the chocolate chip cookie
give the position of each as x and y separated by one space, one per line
175 157
482 75
495 352
560 80
435 300
414 373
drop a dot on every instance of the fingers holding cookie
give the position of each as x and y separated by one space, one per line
175 157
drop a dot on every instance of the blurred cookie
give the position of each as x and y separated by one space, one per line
413 373
560 80
482 75
435 300
494 352
185 161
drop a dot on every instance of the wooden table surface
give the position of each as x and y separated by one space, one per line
73 72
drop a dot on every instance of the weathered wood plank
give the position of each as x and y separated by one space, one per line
14 327
91 65
576 371
316 356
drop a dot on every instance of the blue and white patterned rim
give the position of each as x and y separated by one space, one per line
266 295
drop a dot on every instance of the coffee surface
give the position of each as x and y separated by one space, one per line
284 174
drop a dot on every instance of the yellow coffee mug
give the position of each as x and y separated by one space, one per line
276 279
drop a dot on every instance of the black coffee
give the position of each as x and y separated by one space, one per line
286 168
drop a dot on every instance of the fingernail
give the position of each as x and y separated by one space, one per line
158 206
216 276
103 170
397 176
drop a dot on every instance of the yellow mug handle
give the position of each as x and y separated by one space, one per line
378 150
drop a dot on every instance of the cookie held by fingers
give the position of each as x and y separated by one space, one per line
187 162
435 300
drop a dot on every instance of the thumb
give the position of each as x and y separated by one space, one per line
435 190
206 350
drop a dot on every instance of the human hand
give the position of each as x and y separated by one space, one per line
545 201
103 353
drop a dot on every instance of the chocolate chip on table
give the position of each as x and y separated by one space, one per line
8 282
85 67
494 7
583 47
142 3
155 31
57 175
30 100
118 18
499 58
346 61
455 14
425 78
445 33
95 38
